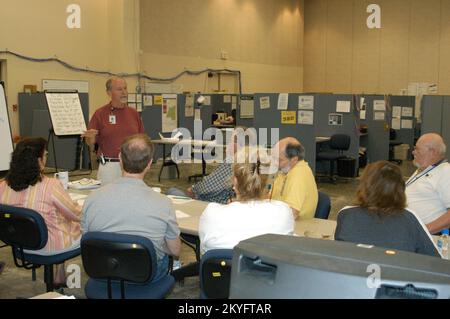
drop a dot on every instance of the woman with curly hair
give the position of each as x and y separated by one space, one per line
26 186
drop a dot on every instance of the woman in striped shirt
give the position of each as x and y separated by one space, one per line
26 186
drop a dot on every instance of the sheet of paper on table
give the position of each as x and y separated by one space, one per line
181 214
180 199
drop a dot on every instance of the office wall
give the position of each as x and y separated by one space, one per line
107 40
264 40
342 55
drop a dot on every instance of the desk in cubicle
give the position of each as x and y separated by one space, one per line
167 160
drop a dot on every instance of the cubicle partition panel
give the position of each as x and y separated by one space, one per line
376 119
34 120
329 121
267 115
435 112
406 131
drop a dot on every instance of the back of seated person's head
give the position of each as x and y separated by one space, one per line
25 169
294 149
136 152
382 188
249 175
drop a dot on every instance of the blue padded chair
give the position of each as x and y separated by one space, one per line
215 274
338 144
323 206
121 266
25 229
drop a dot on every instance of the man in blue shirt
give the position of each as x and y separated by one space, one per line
129 206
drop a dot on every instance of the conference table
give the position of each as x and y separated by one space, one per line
188 212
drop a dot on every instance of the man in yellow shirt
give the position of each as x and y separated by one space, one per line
295 184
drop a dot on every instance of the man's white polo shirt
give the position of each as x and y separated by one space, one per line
428 192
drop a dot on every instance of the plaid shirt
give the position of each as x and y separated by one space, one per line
217 186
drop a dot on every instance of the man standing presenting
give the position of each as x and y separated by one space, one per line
129 206
428 189
295 185
108 128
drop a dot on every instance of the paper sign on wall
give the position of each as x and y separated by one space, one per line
306 117
233 102
397 111
247 107
169 113
306 102
227 99
378 116
158 100
148 100
288 117
343 106
379 105
207 100
396 123
283 99
264 102
362 114
407 124
189 106
407 111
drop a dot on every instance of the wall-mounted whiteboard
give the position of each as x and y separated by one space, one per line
6 144
66 113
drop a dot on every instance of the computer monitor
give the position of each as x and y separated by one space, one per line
277 266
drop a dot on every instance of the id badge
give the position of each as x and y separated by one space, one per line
112 119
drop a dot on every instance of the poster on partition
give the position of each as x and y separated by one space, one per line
288 117
306 117
306 102
169 113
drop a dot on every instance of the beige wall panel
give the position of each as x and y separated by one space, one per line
255 77
339 46
191 35
424 46
394 46
366 51
315 61
444 58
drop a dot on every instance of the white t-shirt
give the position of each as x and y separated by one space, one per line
224 226
428 192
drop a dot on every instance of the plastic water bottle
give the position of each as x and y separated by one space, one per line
443 242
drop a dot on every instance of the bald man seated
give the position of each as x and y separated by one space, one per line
295 183
428 189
